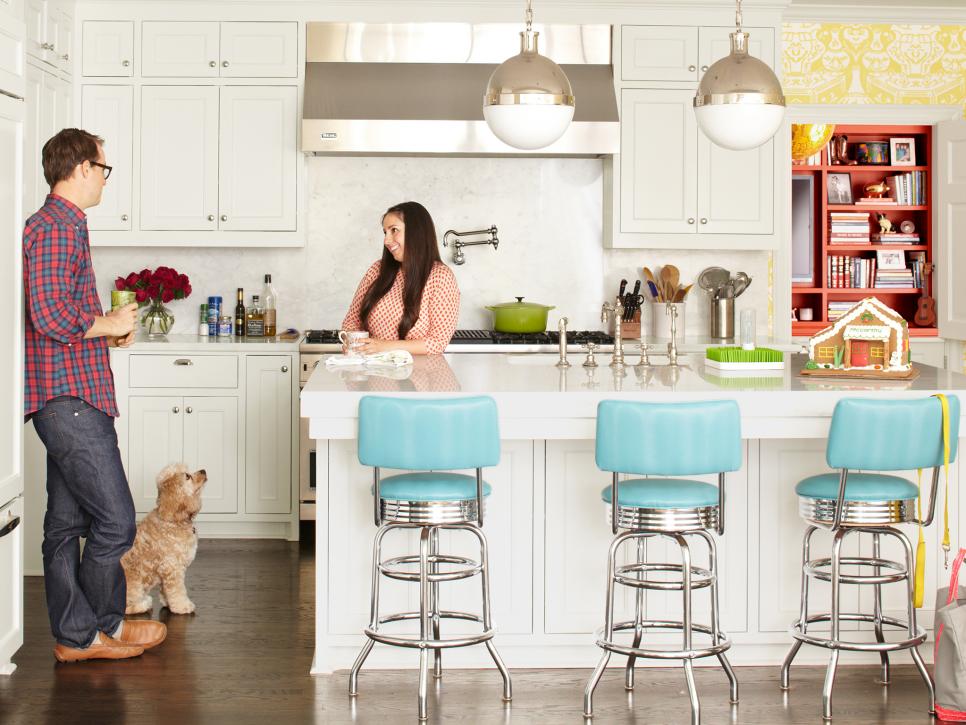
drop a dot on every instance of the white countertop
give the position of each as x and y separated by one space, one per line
196 343
539 400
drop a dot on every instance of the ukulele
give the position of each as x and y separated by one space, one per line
926 311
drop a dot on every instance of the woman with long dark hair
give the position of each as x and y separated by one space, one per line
408 299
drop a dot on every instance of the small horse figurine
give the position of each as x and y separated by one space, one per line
877 191
885 226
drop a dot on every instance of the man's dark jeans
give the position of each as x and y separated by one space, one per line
87 496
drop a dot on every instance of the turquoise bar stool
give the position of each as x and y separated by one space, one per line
428 437
660 440
869 435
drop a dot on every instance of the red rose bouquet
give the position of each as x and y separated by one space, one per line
154 289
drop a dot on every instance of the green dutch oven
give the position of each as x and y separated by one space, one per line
519 316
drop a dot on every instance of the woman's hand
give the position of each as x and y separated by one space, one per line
370 346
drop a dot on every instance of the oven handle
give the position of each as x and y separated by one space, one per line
10 526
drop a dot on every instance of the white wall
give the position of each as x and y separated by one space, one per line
548 211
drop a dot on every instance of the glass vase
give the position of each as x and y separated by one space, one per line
157 319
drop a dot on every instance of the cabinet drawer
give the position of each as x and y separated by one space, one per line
184 371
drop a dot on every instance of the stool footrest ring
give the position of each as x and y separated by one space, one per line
822 569
387 568
700 577
823 641
413 640
715 648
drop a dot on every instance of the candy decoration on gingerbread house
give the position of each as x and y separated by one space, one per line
870 340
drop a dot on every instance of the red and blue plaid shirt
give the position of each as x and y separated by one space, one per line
61 304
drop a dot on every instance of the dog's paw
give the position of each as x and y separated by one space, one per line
185 606
139 606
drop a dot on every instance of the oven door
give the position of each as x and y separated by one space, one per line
306 472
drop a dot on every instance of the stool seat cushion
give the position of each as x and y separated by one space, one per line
663 493
858 487
429 486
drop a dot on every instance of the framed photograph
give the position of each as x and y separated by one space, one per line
872 153
890 259
839 189
803 234
903 151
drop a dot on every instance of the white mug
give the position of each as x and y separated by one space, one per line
351 339
805 314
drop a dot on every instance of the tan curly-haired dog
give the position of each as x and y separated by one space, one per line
166 543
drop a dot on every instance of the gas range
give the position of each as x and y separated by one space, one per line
464 341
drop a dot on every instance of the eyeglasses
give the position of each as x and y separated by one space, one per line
107 169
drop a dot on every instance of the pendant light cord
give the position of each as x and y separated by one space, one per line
530 15
737 15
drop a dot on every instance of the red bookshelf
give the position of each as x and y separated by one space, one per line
822 290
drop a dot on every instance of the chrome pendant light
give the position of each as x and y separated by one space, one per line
739 104
529 102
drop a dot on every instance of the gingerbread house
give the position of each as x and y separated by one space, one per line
870 336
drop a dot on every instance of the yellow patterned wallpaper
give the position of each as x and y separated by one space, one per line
879 63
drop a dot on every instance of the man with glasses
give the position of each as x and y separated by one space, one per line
69 395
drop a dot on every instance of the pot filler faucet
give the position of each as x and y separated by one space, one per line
456 239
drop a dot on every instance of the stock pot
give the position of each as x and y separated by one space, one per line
519 316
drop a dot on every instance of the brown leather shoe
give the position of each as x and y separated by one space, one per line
144 632
103 648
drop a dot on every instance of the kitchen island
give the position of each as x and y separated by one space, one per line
546 522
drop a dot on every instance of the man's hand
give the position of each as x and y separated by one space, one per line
123 321
125 341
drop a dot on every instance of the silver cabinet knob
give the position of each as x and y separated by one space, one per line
691 220
704 221
126 63
47 46
176 409
692 68
188 410
224 64
704 68
212 64
284 368
211 217
66 57
124 217
224 217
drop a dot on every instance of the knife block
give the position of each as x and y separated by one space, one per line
632 330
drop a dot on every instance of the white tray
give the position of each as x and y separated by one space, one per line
780 365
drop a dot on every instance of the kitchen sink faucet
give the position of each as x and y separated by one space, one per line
616 311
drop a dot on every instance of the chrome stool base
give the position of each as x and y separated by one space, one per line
821 511
429 574
829 569
635 575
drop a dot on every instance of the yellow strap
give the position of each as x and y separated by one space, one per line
946 544
919 591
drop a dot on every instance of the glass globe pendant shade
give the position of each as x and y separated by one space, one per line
529 102
739 103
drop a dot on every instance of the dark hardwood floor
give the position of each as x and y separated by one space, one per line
245 656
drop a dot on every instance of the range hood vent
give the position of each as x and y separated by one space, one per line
417 88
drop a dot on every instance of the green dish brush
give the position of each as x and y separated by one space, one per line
737 358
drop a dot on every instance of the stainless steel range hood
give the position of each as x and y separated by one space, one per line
417 88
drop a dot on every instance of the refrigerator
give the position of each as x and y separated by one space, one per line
12 116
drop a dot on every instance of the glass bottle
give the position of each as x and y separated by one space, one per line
203 322
240 314
269 305
255 319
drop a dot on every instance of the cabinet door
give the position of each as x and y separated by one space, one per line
259 50
659 53
658 161
268 434
155 439
736 189
108 48
63 102
11 583
12 57
52 22
64 46
34 186
179 157
211 442
108 112
258 157
949 221
179 49
33 14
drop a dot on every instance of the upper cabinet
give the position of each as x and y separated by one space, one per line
108 112
108 48
670 186
49 34
212 50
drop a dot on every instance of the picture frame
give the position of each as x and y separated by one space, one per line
902 151
890 259
839 188
872 153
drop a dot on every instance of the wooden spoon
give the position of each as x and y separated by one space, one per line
682 293
667 291
674 277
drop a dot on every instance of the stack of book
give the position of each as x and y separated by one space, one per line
894 278
876 201
848 227
850 272
896 238
838 308
909 188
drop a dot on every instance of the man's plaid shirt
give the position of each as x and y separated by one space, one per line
61 303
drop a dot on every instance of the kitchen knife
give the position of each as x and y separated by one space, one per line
635 297
620 292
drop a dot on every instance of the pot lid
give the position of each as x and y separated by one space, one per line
519 305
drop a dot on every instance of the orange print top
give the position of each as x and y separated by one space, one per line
438 310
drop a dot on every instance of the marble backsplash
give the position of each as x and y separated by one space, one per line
548 212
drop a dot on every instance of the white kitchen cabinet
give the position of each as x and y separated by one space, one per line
212 49
949 222
185 185
509 509
108 48
659 53
200 431
179 158
48 106
257 159
64 44
11 583
34 17
12 56
49 33
108 112
268 434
